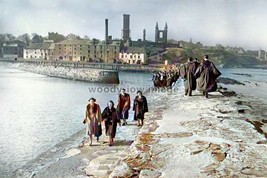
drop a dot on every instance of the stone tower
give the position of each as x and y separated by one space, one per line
106 32
144 35
126 28
161 35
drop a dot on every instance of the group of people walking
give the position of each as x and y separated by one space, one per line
199 76
112 116
164 78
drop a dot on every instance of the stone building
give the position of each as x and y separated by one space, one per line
42 51
133 55
85 50
12 50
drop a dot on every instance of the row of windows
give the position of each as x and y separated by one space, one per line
95 52
101 47
131 56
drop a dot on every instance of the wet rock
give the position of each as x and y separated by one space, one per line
72 152
262 142
229 81
227 93
248 75
149 174
175 135
122 170
254 172
214 147
196 152
210 168
218 155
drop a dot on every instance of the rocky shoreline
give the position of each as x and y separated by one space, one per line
182 137
220 138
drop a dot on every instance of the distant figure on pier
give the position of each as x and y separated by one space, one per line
189 79
111 118
140 108
124 104
206 75
165 79
93 120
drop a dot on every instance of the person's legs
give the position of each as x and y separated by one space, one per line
125 116
206 94
189 92
185 92
138 122
91 139
91 131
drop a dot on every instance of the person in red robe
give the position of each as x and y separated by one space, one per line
124 104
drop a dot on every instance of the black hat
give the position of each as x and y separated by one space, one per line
92 99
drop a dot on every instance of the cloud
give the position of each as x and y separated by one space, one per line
210 22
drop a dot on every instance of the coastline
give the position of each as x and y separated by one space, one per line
217 139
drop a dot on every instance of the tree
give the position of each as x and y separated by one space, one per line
72 36
56 37
25 38
37 38
86 37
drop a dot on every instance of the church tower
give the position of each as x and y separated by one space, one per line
161 35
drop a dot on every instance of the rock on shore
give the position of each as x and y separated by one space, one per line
82 74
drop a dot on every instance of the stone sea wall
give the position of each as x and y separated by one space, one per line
81 74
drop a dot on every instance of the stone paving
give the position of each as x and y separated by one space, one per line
102 166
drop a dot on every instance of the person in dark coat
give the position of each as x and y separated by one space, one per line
206 75
189 77
124 104
110 117
140 108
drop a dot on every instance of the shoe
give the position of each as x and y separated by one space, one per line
123 124
206 95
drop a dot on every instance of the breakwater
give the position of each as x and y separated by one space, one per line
69 71
94 65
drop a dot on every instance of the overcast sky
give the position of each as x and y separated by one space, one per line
228 22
